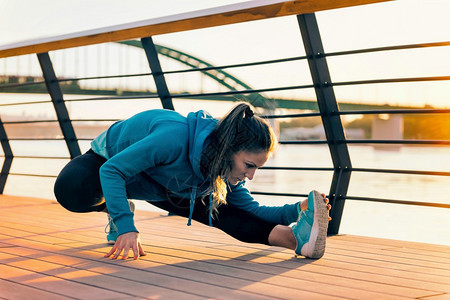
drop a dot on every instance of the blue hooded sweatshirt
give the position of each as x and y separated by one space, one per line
160 150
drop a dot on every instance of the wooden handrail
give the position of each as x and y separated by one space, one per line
223 15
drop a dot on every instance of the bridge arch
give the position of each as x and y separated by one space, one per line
220 76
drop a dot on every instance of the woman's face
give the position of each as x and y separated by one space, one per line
244 165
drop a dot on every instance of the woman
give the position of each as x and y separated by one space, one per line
192 166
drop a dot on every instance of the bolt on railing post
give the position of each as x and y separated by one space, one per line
332 124
53 88
158 76
8 157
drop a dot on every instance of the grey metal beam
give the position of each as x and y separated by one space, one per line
53 88
158 76
332 124
8 157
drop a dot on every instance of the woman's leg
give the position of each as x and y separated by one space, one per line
282 236
246 227
234 221
78 187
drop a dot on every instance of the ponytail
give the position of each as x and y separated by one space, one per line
239 130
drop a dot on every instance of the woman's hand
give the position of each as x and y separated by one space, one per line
125 242
327 202
304 204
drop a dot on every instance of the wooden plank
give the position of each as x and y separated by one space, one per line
403 248
383 258
54 285
438 297
16 202
224 15
147 284
396 243
13 290
2 245
396 252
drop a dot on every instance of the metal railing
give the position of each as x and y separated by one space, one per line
327 108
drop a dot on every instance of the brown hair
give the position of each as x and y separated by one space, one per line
239 130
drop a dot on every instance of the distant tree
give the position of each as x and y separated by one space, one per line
307 122
428 127
364 123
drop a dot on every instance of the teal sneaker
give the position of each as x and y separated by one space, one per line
111 229
310 231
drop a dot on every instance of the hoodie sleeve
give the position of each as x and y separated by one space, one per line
159 147
241 197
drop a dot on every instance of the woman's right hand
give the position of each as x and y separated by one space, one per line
304 204
125 242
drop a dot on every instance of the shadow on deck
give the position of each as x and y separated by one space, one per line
49 253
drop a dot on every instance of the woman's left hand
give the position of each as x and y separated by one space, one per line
125 242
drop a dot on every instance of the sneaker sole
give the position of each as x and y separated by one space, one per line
315 247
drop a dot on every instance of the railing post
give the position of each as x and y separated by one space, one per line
8 157
332 124
158 76
53 88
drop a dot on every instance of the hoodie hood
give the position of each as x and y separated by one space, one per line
200 124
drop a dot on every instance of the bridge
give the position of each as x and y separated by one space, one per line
14 79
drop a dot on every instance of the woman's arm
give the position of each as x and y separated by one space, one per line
241 197
155 149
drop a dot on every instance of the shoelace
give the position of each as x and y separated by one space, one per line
305 217
303 214
110 225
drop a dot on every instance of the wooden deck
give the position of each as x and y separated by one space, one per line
49 253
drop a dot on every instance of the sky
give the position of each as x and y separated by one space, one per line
384 24
43 18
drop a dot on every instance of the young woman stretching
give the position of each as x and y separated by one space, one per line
194 167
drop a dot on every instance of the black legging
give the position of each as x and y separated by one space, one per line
78 189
